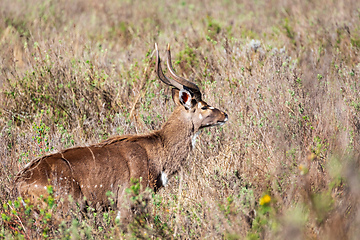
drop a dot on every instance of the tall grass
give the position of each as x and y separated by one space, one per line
286 165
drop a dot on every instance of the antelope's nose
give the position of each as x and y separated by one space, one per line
226 117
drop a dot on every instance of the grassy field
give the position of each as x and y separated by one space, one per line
285 165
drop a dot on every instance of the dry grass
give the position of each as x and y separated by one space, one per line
287 73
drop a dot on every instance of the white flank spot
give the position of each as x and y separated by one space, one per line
64 177
45 187
200 116
35 185
81 185
95 186
100 185
61 178
193 140
164 179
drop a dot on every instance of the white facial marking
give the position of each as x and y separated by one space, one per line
200 116
211 108
164 179
199 105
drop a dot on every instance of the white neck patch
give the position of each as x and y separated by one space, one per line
164 179
193 140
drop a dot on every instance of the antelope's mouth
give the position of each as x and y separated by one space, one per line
226 118
220 123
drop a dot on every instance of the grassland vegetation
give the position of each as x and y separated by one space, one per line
285 166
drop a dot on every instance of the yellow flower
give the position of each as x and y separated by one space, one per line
265 199
312 156
303 169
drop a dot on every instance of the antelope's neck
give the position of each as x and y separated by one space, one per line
172 149
177 136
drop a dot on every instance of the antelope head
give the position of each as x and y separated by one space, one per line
187 97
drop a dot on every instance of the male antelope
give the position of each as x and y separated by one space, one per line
108 166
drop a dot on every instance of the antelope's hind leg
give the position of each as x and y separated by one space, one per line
52 177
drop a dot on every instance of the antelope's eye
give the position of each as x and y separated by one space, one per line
204 108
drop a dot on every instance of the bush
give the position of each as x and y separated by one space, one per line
286 73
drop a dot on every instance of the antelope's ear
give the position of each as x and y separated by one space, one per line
182 97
